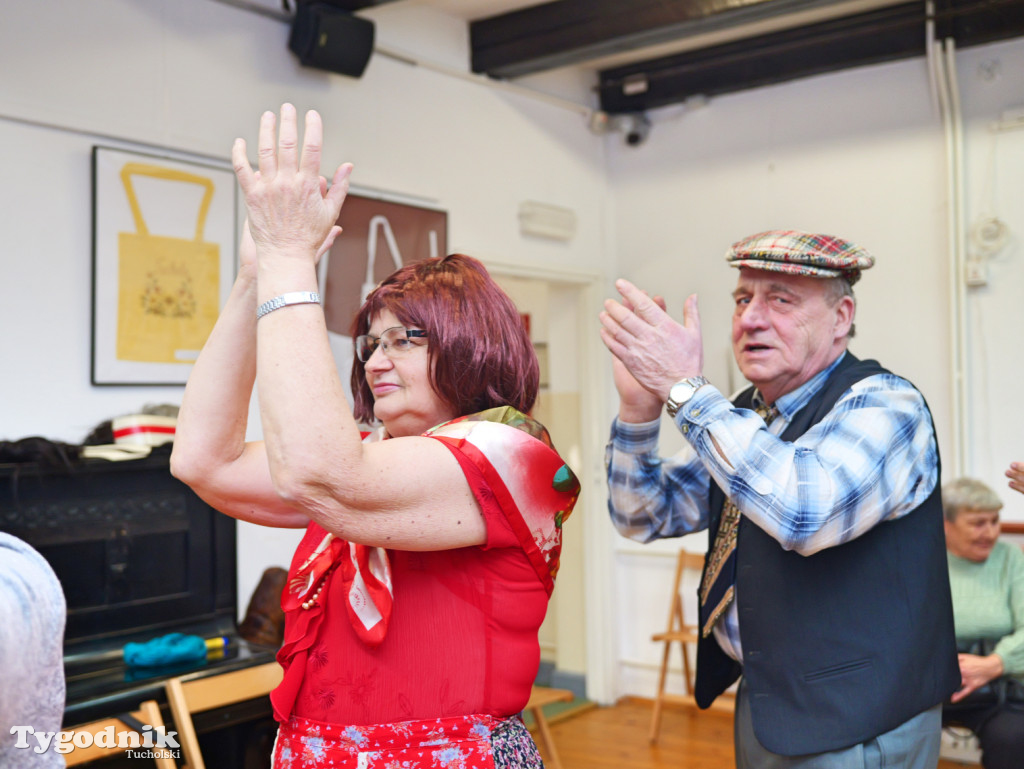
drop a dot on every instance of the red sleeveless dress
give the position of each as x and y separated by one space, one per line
431 643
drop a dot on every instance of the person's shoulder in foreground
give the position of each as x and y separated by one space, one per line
31 654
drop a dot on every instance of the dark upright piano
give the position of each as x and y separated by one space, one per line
138 555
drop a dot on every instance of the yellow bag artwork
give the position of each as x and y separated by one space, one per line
168 288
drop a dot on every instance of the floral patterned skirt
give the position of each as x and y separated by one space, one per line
461 742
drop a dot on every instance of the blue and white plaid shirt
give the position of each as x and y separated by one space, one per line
873 458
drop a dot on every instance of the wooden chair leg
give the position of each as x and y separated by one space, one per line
183 721
687 672
539 697
660 695
151 710
546 738
676 631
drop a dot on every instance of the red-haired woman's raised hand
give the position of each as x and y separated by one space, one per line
290 212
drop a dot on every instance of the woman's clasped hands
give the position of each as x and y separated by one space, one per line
292 212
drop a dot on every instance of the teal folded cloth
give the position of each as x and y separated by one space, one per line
171 649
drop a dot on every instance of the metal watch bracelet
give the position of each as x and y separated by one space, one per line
292 297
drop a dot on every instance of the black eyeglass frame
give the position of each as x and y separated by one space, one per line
360 341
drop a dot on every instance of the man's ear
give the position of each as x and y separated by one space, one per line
845 310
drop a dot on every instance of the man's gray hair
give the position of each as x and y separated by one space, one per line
835 290
968 494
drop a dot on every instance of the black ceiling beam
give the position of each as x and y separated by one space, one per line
569 32
885 35
974 22
888 34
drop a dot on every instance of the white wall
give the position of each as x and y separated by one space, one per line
192 75
995 312
860 154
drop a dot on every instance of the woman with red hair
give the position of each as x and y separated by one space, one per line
414 599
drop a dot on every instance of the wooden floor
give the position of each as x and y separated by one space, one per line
616 738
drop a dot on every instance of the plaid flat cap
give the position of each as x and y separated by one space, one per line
800 253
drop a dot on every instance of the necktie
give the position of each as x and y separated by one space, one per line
718 586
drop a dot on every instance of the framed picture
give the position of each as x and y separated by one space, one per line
164 232
378 236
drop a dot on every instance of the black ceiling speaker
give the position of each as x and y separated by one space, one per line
327 38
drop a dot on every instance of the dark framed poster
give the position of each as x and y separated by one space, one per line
378 236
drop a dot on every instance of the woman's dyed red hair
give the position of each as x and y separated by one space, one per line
480 352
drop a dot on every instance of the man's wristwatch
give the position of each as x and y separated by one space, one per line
682 391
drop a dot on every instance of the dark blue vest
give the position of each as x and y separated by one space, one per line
845 644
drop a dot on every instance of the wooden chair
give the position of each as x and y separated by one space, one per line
147 714
195 693
539 697
676 631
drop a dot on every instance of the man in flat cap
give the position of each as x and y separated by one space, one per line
825 582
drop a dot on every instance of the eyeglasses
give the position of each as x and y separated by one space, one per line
395 342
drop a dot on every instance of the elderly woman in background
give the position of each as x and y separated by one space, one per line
987 580
414 599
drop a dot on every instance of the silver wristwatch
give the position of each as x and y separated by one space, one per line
682 391
292 297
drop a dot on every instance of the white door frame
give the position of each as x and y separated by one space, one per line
598 546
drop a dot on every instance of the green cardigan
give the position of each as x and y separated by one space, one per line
988 602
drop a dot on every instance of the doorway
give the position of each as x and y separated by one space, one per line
562 312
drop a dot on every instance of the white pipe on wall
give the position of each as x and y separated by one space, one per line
929 51
963 464
943 71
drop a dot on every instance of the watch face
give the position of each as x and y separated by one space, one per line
681 392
